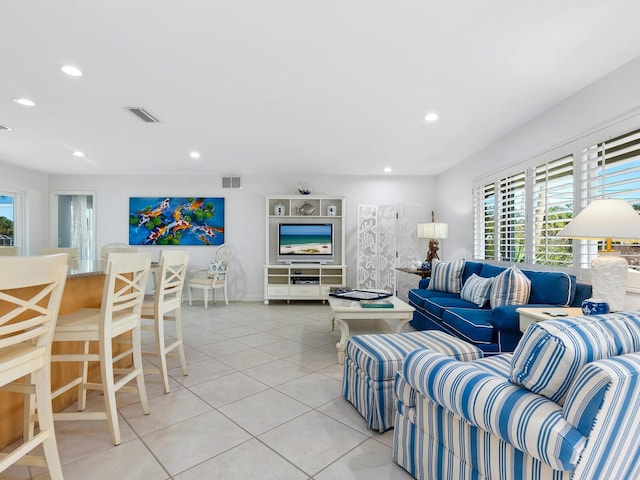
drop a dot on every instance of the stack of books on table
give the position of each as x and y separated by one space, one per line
376 304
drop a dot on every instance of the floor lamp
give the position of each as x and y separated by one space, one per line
606 219
434 232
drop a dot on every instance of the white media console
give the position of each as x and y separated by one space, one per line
303 281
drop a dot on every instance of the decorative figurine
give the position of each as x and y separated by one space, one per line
432 254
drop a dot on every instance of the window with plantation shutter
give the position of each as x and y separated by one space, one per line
552 210
484 222
512 218
611 169
520 209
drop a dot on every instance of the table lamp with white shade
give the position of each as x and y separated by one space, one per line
434 232
606 219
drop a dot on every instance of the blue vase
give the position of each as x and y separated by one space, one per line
594 307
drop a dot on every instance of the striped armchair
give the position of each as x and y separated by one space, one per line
564 405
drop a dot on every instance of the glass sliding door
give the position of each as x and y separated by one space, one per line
11 220
73 222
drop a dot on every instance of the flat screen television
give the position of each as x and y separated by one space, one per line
305 242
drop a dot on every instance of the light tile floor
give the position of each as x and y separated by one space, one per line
262 401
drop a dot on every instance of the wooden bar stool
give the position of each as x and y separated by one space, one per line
124 288
167 298
30 294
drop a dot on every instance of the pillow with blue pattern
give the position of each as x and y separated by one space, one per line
511 287
476 290
446 277
212 271
552 353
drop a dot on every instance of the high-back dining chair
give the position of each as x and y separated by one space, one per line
30 295
8 251
215 277
119 313
170 275
72 252
115 248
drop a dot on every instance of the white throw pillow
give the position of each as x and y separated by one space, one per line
446 277
511 287
476 290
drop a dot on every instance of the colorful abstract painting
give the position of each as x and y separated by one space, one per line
176 221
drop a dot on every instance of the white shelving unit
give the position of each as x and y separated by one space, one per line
303 281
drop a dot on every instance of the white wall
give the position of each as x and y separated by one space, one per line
244 211
450 194
611 99
34 187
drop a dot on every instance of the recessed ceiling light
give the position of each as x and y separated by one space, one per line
71 70
78 153
24 101
387 170
431 117
194 155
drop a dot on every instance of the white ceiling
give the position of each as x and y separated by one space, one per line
296 86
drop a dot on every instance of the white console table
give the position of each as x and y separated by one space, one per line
301 281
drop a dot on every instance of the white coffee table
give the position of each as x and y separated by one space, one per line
352 319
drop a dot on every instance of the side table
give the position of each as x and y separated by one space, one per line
529 315
415 271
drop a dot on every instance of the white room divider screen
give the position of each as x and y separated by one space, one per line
386 240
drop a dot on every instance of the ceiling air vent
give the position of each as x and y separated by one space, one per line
230 182
143 115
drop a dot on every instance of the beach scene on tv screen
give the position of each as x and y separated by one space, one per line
305 240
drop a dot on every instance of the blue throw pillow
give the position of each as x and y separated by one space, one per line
446 277
511 287
476 290
554 288
489 270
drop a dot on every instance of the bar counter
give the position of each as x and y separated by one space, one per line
83 289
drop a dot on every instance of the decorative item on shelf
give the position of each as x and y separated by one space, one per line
332 210
606 219
304 189
279 210
306 209
591 306
434 232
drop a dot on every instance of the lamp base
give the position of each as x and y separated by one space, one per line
608 279
432 254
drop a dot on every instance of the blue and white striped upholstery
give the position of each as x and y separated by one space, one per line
529 422
446 277
613 449
380 355
453 449
498 365
467 421
511 287
551 353
371 363
476 290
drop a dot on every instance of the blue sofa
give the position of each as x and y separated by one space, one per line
492 330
